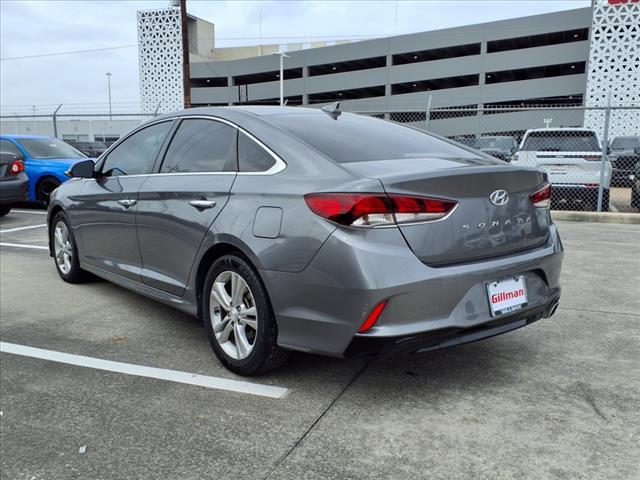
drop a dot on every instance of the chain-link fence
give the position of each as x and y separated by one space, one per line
590 154
80 124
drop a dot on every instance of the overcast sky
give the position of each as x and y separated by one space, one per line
39 27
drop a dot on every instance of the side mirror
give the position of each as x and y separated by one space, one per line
83 169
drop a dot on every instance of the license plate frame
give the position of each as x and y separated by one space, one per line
510 295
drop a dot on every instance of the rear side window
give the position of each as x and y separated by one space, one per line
8 147
356 138
136 155
201 145
252 157
561 141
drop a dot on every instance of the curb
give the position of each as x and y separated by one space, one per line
596 217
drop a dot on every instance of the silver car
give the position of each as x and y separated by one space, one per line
319 231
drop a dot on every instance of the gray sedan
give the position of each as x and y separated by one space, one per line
319 231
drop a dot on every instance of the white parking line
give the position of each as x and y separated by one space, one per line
143 371
35 212
23 245
17 229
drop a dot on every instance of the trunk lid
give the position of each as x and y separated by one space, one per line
477 229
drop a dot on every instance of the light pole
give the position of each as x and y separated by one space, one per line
282 57
109 89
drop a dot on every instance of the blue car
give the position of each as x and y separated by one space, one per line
45 161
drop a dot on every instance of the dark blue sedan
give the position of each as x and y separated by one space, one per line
45 161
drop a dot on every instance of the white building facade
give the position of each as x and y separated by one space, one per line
613 75
160 60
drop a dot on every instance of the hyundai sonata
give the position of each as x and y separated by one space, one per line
312 230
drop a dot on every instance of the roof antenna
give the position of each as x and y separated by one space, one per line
333 110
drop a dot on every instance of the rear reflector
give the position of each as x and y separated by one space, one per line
16 167
541 198
377 209
373 317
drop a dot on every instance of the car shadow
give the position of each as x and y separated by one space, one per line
488 364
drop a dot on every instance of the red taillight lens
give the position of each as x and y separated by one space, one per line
541 198
593 158
377 209
373 317
420 209
16 167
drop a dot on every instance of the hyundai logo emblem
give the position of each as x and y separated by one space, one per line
499 198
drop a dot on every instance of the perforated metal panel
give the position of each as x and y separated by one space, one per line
614 66
160 59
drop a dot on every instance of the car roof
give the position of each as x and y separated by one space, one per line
244 110
561 129
18 136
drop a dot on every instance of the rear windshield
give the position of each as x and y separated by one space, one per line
625 143
562 141
356 138
49 148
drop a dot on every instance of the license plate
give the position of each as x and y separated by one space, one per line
507 295
558 170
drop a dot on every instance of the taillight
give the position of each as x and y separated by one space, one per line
593 158
372 318
16 167
541 198
377 209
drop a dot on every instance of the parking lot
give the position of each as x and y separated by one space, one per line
558 399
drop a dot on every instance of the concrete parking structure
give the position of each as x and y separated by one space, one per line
559 399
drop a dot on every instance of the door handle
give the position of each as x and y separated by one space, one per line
202 204
127 202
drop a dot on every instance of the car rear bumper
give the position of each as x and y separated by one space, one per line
362 345
320 309
15 189
623 177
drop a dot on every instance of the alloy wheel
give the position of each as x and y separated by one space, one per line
62 247
234 317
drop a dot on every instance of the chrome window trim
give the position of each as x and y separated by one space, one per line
278 167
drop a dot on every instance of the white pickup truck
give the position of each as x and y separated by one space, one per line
572 159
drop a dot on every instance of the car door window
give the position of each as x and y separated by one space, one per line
201 145
137 154
252 157
8 147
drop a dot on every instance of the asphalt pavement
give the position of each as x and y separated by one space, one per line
559 399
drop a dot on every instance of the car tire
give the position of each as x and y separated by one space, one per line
593 204
635 199
65 251
4 209
605 201
44 188
242 330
